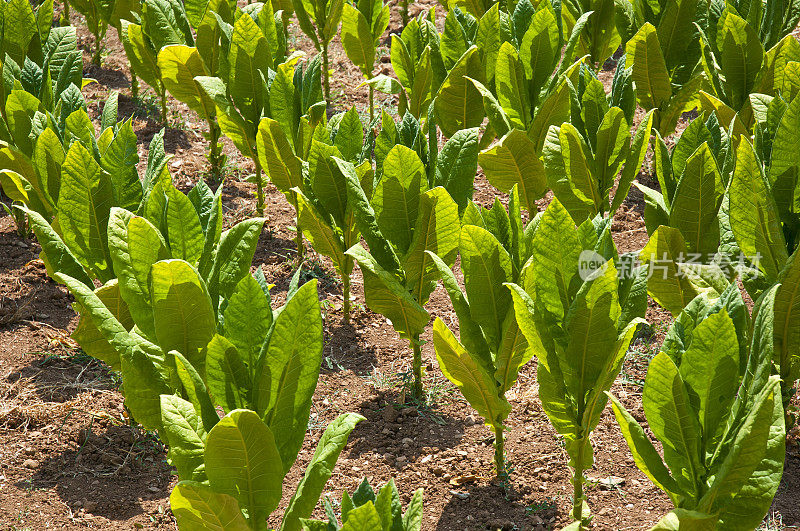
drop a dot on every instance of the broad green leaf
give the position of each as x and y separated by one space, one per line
486 266
276 156
436 230
386 295
185 435
740 57
667 407
456 166
91 340
540 47
319 470
513 161
242 461
649 69
710 370
397 196
197 506
179 66
477 386
753 214
292 360
186 238
512 88
569 167
644 453
458 103
83 210
697 200
357 39
57 256
135 245
234 257
182 313
248 318
668 283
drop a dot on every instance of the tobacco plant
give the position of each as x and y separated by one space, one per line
582 158
599 38
162 23
737 65
248 92
319 20
406 216
179 65
44 62
418 64
362 27
238 474
486 357
324 209
663 49
763 221
58 167
693 179
100 15
579 321
711 402
366 509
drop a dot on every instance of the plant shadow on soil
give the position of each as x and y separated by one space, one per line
485 501
107 77
108 467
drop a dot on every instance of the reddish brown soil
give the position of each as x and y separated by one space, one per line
69 459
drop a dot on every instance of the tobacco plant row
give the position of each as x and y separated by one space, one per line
168 299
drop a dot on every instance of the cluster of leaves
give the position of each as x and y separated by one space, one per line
366 509
579 322
711 402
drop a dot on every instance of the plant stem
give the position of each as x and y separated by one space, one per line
259 189
214 150
371 105
298 237
164 108
417 367
325 66
96 56
405 13
499 452
346 295
64 21
577 484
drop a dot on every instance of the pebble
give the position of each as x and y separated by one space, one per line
401 459
89 506
629 506
470 420
30 463
407 441
153 489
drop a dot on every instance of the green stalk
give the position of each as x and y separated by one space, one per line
134 85
577 485
417 368
215 150
259 189
64 21
298 237
499 452
346 292
405 13
164 108
325 66
98 41
371 105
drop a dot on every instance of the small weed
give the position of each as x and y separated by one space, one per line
548 504
773 522
147 106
